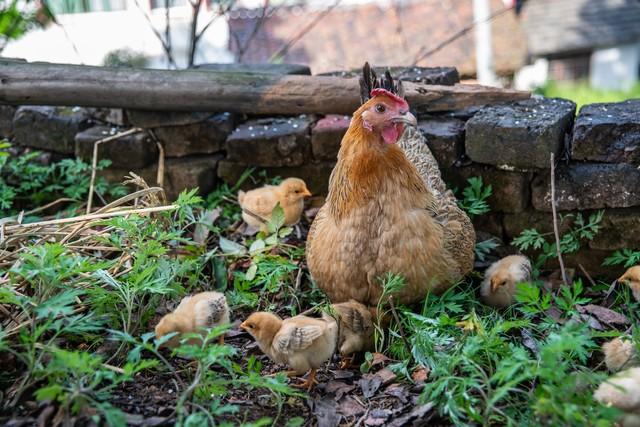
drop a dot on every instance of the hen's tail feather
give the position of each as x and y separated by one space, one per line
459 235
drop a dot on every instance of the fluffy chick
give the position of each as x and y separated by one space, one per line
356 329
303 343
622 391
261 201
193 314
619 353
632 279
500 280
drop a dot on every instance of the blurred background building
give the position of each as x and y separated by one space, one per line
514 42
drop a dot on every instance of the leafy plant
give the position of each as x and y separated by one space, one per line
580 230
626 257
475 195
25 183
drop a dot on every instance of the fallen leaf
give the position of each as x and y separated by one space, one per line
420 375
528 341
342 374
201 232
379 359
370 383
338 388
230 247
326 412
350 407
399 391
386 375
603 314
417 413
589 320
377 417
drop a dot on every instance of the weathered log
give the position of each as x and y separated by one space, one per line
198 90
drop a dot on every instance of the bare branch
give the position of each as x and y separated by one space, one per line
284 49
423 53
195 11
165 46
243 49
222 11
556 232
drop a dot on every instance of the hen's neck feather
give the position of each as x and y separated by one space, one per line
366 166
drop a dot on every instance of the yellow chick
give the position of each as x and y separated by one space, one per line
261 201
499 285
303 343
632 279
195 312
356 329
619 353
622 391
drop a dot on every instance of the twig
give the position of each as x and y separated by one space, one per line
556 231
256 216
243 49
165 46
586 274
423 55
195 11
284 49
93 217
94 161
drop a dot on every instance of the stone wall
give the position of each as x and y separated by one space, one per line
509 146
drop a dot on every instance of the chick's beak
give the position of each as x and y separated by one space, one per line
306 193
406 118
494 285
243 326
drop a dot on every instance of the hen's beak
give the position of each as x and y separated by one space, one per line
406 118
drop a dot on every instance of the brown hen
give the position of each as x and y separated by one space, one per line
387 209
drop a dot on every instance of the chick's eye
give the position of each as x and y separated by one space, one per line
380 108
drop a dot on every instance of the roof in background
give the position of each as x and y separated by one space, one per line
384 35
572 26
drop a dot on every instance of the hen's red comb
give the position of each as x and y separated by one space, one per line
393 96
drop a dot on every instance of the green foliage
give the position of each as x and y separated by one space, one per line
17 17
25 183
475 195
625 257
582 93
579 231
125 58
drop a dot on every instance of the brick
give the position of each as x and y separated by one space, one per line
521 134
180 174
109 116
620 229
154 119
271 142
608 133
315 175
589 186
510 189
49 128
204 137
445 138
132 151
514 224
326 136
6 120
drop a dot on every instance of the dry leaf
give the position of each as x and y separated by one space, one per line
603 314
420 375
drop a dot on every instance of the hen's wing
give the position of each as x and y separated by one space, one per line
296 335
459 235
353 318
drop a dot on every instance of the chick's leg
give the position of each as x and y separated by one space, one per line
289 374
309 382
347 361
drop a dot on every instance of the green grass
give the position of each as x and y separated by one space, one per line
86 318
581 93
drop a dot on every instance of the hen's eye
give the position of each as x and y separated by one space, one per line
380 108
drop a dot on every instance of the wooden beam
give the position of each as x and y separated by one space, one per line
24 83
